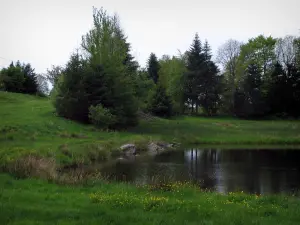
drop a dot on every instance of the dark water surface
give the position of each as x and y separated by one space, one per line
252 171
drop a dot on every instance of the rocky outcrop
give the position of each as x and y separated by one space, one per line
153 148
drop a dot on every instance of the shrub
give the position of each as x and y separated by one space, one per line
101 117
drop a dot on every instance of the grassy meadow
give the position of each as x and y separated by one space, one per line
34 142
33 201
29 125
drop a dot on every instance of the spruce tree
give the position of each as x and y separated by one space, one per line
30 85
278 84
161 103
153 67
99 81
192 78
207 51
253 103
202 84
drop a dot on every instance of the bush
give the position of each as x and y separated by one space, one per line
101 117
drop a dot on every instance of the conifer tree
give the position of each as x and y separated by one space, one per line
153 67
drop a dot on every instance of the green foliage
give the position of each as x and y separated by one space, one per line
30 84
286 83
101 44
19 78
102 78
250 101
53 74
71 99
161 103
153 67
227 57
171 76
201 82
144 89
101 117
259 51
13 78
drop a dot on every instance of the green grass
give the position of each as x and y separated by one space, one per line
38 202
34 142
29 125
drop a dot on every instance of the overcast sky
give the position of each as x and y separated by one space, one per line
44 33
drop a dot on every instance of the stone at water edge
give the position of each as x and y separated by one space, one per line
128 149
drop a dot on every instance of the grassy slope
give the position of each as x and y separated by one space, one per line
28 123
38 202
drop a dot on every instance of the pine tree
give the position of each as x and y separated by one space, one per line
202 84
70 97
209 97
30 84
195 55
253 103
207 51
278 84
13 78
161 103
153 67
129 62
193 79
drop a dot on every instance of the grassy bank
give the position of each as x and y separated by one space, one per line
29 125
34 142
38 202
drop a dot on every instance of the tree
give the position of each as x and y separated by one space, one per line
100 78
54 73
227 57
209 97
192 79
129 62
249 99
278 84
144 89
102 44
171 76
161 103
259 51
201 80
153 67
13 78
70 98
19 78
286 50
297 52
30 85
207 51
42 82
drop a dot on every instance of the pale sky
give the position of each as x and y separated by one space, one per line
44 33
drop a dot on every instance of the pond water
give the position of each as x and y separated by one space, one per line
251 171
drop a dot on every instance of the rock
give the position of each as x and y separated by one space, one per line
128 149
154 148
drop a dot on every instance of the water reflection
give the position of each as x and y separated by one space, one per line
253 171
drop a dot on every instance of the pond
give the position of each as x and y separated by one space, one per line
251 171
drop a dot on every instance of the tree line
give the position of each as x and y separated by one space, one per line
103 84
